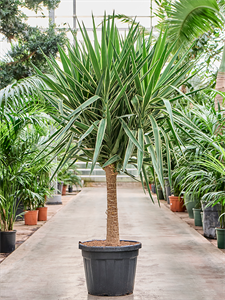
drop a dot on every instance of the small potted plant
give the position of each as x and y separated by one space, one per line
63 177
44 192
69 176
31 198
209 180
197 209
7 218
176 200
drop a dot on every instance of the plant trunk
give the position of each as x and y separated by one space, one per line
220 81
112 238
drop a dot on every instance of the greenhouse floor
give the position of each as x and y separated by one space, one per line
175 261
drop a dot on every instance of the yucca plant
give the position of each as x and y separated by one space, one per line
113 100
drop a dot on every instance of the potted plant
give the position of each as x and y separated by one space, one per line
30 204
167 189
7 219
197 209
113 99
208 179
216 196
44 191
176 200
159 190
63 177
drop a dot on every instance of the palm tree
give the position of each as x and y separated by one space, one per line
21 123
191 18
113 100
187 20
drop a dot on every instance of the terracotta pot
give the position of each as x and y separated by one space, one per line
64 190
150 186
42 213
176 203
31 217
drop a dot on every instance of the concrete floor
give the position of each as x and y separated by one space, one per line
175 263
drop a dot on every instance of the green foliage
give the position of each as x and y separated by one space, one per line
69 175
114 99
11 18
191 18
35 4
31 42
200 162
23 122
199 23
28 52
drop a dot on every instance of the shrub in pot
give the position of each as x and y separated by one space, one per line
215 198
31 213
176 200
197 211
44 191
210 220
7 219
210 182
13 174
160 193
191 200
109 110
21 132
69 176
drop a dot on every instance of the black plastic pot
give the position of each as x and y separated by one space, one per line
110 271
160 193
70 189
210 220
7 241
153 188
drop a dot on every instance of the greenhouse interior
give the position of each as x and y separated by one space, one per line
112 149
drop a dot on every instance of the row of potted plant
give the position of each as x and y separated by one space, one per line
199 171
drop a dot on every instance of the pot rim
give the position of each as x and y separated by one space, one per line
220 229
110 248
11 231
41 207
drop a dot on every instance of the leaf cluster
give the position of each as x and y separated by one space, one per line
114 99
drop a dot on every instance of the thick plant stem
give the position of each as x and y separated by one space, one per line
112 237
220 81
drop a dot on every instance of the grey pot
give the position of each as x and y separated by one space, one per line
54 200
60 187
210 220
110 271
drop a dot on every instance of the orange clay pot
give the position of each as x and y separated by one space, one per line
176 203
31 217
42 213
64 190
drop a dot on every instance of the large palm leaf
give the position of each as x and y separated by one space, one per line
191 18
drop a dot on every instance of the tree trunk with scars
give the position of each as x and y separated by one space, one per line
112 237
220 81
